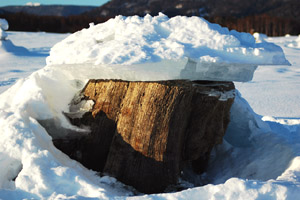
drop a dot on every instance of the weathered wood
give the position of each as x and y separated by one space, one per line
145 133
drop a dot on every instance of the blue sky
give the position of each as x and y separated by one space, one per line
56 2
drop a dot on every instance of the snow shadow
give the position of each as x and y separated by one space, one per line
9 47
282 70
17 194
8 82
252 148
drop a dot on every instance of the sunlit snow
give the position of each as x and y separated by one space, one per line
176 48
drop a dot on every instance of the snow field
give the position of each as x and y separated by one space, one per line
17 62
275 90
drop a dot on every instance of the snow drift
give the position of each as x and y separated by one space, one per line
295 43
262 156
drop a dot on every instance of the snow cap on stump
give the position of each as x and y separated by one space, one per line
167 48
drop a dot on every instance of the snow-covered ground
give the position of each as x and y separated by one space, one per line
275 90
25 54
259 159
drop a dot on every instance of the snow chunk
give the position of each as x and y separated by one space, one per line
3 24
259 37
3 28
136 40
3 35
295 43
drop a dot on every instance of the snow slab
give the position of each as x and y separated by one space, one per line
177 48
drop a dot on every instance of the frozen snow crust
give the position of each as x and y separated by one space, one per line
163 45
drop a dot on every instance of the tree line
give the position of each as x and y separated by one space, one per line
55 24
269 25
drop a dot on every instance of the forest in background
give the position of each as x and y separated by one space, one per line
271 17
271 26
54 24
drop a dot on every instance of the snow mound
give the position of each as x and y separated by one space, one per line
3 24
3 34
260 37
295 43
7 45
135 40
147 42
3 28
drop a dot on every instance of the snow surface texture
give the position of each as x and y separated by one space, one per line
259 158
275 90
296 43
176 48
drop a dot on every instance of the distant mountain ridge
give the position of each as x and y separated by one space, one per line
48 10
238 8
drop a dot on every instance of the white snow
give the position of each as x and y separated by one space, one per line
35 4
23 53
295 43
164 46
3 24
259 158
3 28
262 92
259 37
3 35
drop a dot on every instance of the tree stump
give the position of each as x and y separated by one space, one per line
146 133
